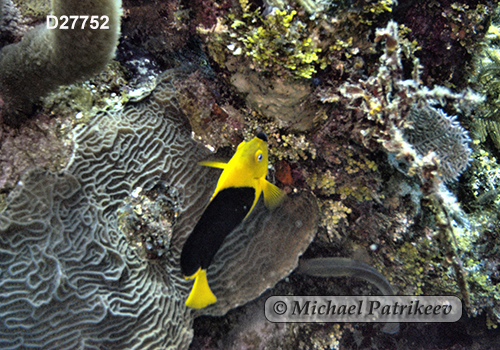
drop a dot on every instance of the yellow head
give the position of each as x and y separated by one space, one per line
248 168
250 159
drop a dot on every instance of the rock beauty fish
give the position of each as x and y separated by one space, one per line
238 189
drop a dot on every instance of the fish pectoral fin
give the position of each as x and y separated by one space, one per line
273 196
213 164
201 295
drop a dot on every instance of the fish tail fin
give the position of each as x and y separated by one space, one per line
213 164
273 196
201 295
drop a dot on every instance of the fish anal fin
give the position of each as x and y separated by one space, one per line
213 164
273 196
201 295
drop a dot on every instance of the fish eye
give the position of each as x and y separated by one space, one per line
258 156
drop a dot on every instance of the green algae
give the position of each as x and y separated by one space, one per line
281 43
82 101
294 40
38 9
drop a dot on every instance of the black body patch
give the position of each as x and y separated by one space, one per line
226 211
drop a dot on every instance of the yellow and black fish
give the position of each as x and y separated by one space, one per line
238 190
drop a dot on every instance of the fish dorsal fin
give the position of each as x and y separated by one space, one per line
273 196
213 164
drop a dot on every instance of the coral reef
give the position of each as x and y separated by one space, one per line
280 44
45 141
40 62
428 144
147 218
397 114
433 131
38 144
274 98
395 213
295 39
62 247
80 102
286 49
375 122
448 33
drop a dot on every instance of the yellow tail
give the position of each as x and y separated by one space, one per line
201 295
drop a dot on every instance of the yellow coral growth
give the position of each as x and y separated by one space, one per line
324 183
331 213
295 148
280 42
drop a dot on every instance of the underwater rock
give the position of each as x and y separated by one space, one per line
156 27
284 100
36 144
213 125
71 279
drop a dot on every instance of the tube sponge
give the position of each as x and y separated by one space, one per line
48 58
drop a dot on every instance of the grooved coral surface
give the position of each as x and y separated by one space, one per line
69 278
433 130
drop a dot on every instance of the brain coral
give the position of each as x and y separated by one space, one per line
433 130
69 279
